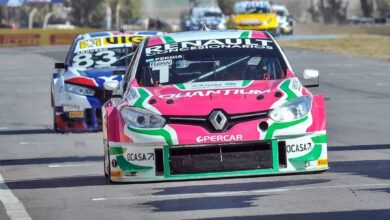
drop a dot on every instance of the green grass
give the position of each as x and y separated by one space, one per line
377 46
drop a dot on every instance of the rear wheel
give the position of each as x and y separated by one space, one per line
55 126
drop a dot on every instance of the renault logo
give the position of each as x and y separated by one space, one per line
218 120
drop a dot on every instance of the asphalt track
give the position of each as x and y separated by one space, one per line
60 176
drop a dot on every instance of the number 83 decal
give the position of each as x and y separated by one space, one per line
101 58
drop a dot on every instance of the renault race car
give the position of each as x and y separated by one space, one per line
254 15
212 104
211 16
77 86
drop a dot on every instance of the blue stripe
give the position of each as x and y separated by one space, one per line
147 33
99 34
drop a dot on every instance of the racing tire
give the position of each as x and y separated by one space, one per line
55 126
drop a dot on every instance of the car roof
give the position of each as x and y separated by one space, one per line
117 33
206 35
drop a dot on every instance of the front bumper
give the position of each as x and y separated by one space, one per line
144 163
78 121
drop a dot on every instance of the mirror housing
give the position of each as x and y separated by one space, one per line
312 74
111 85
59 66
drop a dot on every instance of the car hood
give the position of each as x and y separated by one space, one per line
201 98
93 77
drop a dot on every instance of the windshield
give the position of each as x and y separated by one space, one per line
101 58
251 8
210 60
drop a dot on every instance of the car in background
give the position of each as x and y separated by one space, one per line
212 104
77 86
285 20
211 16
254 15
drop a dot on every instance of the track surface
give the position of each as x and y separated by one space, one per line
60 176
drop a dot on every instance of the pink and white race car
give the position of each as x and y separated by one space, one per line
212 104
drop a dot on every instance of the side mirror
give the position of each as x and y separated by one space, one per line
312 74
59 66
111 85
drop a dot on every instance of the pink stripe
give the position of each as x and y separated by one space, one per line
258 35
156 40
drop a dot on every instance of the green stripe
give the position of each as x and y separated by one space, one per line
169 40
246 82
143 96
314 154
180 86
117 150
281 125
154 132
126 166
320 139
245 34
285 88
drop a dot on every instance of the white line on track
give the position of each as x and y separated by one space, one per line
68 165
227 193
15 209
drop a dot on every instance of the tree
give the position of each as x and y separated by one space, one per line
329 11
87 13
367 7
226 6
130 9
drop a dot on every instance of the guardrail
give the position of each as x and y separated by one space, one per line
39 37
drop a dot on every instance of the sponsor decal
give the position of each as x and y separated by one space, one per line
114 163
209 44
90 43
122 40
225 92
116 173
161 63
71 108
292 148
140 156
219 138
169 57
79 114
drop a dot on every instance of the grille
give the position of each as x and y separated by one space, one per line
220 158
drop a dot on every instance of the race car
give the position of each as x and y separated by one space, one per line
254 15
200 15
285 20
212 104
77 86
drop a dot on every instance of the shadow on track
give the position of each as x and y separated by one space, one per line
207 203
49 160
355 215
223 201
360 147
233 187
28 131
58 182
378 169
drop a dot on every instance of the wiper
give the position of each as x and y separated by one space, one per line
215 71
214 68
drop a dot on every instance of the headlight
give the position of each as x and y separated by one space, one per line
293 110
140 118
79 90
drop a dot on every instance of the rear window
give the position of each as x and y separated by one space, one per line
210 60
